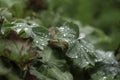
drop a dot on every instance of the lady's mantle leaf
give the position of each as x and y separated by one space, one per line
41 37
105 72
69 32
82 54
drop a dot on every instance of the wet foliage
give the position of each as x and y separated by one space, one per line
37 42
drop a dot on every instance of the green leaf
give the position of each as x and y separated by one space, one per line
82 54
55 73
101 76
22 27
105 72
51 57
19 52
105 57
41 37
38 75
54 66
68 32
